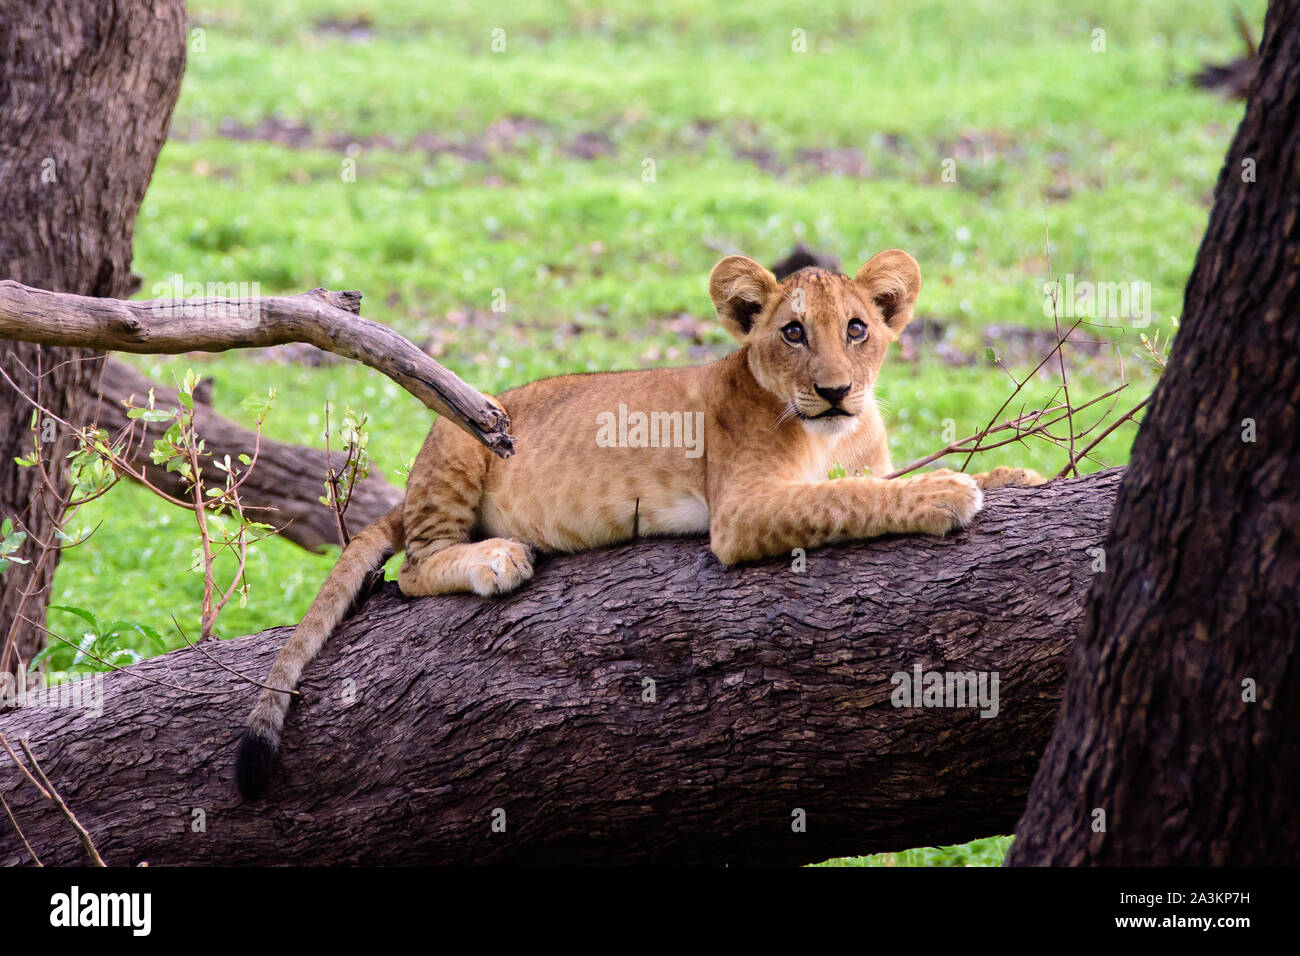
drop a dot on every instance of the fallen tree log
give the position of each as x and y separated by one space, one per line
636 704
284 488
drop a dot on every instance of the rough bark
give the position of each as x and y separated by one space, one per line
772 694
86 94
282 490
1179 721
217 324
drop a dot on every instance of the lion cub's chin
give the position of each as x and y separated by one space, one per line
835 425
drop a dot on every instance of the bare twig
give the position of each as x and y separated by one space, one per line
1060 352
19 830
59 802
229 670
1103 436
1037 422
1060 340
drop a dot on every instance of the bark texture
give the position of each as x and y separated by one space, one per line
284 488
86 94
1179 722
426 721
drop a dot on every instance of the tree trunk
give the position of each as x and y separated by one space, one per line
425 721
87 89
284 488
1178 730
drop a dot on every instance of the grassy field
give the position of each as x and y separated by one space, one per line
593 169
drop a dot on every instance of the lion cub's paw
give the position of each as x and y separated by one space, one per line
1003 477
500 566
941 501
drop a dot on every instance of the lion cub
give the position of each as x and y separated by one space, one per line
738 449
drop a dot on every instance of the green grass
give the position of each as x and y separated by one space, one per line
986 852
1114 151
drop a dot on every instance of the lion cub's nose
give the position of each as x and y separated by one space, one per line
832 393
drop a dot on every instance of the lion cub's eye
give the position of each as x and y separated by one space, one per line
857 330
793 333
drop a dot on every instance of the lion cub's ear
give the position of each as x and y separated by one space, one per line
739 288
893 281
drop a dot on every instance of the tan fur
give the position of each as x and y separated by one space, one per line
758 485
367 551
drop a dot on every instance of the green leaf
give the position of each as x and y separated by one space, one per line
144 630
42 654
79 612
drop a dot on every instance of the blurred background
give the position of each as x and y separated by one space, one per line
531 188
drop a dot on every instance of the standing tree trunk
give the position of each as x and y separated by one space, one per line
1176 742
87 89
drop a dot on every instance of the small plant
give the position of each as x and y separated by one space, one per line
341 482
97 463
101 646
223 526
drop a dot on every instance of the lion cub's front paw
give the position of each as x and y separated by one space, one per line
940 501
1003 477
499 566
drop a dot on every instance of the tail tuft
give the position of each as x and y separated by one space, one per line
253 763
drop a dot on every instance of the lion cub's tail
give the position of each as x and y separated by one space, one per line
366 552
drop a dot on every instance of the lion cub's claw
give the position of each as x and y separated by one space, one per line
942 501
501 567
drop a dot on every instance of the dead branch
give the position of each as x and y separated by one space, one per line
171 326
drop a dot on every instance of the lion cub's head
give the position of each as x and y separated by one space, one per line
817 339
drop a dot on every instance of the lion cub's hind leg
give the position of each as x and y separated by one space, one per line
494 566
443 496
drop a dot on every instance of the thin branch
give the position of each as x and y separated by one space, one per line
1102 437
21 769
121 670
230 670
1019 385
1060 352
63 807
19 830
1038 426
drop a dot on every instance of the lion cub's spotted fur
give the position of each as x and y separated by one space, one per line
777 415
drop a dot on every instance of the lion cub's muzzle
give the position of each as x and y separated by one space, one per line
835 401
